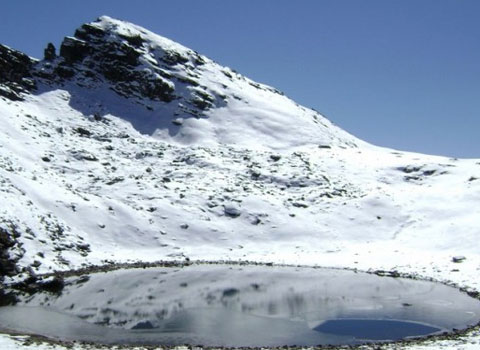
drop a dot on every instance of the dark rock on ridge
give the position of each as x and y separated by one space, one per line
15 73
49 52
114 59
130 64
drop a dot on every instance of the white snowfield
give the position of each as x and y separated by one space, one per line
254 177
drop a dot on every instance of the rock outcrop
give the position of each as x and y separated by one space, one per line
15 73
131 64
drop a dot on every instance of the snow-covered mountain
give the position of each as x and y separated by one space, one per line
125 146
166 90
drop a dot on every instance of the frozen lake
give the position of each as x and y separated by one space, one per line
232 305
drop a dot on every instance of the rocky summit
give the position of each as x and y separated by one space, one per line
181 91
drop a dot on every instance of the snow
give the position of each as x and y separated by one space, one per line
160 191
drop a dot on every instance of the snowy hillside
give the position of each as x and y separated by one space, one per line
129 147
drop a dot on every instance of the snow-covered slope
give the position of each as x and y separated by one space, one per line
102 135
129 147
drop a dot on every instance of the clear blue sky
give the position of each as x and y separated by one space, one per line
397 73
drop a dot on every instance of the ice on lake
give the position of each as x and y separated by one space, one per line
234 305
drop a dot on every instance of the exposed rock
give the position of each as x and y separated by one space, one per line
300 204
74 50
36 263
409 169
177 121
33 284
458 259
83 132
84 155
135 40
7 298
64 71
115 180
88 31
15 73
202 99
173 57
230 292
49 52
115 60
231 210
383 273
275 157
133 67
255 220
8 242
53 284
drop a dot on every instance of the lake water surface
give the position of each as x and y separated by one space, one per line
230 305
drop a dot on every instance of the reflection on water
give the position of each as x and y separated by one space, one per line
220 305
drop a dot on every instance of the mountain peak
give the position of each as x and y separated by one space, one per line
128 56
165 89
108 29
132 32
